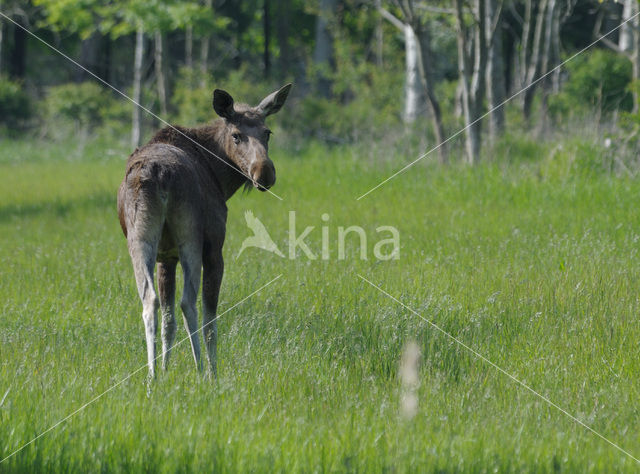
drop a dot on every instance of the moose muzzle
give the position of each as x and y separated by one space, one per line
263 174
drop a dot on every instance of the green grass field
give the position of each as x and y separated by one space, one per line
533 262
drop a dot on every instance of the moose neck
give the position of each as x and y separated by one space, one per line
212 156
205 145
224 171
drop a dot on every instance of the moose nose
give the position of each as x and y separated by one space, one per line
263 174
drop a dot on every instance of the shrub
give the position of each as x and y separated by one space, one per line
192 95
86 104
597 80
15 104
354 114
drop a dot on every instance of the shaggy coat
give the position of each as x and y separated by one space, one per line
172 208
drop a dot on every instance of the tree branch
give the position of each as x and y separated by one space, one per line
429 8
612 45
495 22
391 18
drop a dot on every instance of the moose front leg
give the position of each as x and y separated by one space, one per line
213 267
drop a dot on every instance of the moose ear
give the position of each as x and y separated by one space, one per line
223 104
274 101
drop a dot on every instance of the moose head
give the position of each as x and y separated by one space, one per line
245 137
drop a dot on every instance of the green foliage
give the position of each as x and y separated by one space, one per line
87 105
192 96
15 104
447 94
122 17
356 120
367 103
79 16
192 99
357 113
598 80
629 121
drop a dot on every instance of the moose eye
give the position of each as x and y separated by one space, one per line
236 138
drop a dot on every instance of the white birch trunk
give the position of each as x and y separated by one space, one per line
635 59
414 92
472 63
136 125
625 42
496 89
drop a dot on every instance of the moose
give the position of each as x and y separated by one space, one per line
172 207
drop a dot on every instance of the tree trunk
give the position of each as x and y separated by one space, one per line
188 47
204 51
414 90
419 75
524 43
629 44
469 109
323 51
1 44
555 52
625 41
635 60
104 67
136 126
510 58
266 24
495 78
282 33
88 57
159 70
18 60
532 67
379 36
472 131
204 60
546 59
423 45
472 49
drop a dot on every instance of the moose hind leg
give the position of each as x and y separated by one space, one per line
167 293
191 262
213 268
143 256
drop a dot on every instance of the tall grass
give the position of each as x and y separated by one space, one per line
531 260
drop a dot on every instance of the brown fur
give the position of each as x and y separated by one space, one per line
172 207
